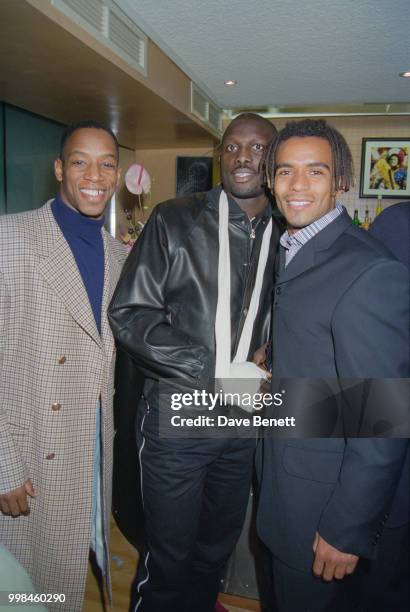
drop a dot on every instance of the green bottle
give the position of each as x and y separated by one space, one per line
356 220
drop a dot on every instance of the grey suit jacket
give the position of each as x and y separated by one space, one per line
340 311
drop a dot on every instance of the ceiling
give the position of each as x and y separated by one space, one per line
40 71
285 54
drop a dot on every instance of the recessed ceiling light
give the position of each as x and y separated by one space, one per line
230 83
406 74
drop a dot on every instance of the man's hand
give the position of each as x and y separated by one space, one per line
259 356
15 502
330 562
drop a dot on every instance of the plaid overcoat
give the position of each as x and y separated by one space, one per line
54 366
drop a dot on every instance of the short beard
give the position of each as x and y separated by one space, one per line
255 193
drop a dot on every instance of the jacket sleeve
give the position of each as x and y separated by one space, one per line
139 317
392 228
13 472
354 517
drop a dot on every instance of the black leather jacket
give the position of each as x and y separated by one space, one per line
163 310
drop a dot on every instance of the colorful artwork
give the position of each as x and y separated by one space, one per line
385 166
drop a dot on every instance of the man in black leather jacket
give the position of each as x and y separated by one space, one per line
195 491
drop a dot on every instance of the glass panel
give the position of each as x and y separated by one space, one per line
2 174
32 144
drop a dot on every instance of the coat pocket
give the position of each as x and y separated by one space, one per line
316 465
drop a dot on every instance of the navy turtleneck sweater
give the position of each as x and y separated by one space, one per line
86 243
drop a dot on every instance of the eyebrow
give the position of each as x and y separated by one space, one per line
78 152
310 165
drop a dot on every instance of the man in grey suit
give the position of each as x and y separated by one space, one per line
340 312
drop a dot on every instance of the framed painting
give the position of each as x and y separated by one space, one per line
385 168
193 174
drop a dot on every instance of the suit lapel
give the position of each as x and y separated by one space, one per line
59 269
309 255
303 260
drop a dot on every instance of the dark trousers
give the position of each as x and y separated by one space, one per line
195 494
380 585
298 591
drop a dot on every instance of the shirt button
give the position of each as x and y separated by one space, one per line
62 360
56 406
245 311
50 456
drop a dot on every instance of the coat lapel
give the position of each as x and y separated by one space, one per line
59 269
112 272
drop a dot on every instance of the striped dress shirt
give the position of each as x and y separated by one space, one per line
292 243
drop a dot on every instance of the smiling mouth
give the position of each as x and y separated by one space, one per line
93 193
298 203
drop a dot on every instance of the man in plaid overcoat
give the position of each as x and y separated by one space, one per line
58 270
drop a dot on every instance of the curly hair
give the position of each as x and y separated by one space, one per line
343 172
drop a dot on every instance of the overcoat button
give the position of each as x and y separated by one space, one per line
50 456
62 360
56 406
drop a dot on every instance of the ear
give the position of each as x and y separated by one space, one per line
58 170
117 180
119 172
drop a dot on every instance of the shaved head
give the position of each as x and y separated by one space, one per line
251 118
243 146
